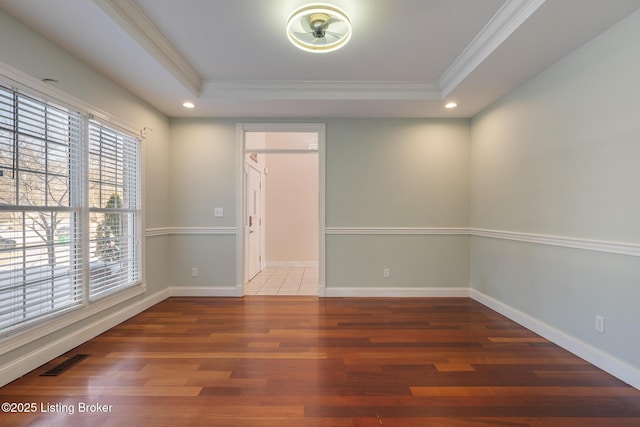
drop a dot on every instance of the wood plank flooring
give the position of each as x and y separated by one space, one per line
304 361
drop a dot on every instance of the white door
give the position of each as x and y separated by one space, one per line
254 222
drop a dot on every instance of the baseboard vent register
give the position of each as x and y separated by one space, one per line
67 364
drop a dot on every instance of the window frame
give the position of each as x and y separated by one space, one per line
130 198
46 324
46 276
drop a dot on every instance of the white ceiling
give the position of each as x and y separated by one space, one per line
406 58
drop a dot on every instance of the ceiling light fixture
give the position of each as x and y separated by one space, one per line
451 105
188 104
319 28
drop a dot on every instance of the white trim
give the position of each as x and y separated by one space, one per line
507 20
620 248
38 357
324 90
292 264
201 231
278 127
133 20
240 202
42 355
396 231
57 96
241 129
404 292
205 291
322 220
281 151
616 367
50 326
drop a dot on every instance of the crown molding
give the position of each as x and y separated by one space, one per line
320 90
133 20
510 16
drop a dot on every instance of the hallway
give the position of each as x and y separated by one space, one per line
284 281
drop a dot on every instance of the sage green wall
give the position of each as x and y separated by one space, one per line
379 173
37 57
397 173
203 177
559 157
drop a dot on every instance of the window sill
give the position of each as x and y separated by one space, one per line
49 326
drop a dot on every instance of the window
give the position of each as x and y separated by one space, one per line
114 203
69 211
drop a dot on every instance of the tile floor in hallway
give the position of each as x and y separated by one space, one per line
284 281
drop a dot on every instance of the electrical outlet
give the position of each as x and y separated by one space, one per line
599 323
194 272
386 273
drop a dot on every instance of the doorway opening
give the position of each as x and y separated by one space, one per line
280 191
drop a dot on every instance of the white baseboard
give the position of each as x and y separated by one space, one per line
202 291
291 264
616 367
27 363
407 292
42 355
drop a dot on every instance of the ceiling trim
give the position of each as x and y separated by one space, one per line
322 90
510 16
133 20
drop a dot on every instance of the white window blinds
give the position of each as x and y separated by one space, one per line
40 258
70 210
114 202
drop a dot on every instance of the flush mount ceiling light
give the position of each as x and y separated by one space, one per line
319 28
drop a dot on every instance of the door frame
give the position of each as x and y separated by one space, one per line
248 170
241 205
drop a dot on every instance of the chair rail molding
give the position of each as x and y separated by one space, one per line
200 231
619 248
396 231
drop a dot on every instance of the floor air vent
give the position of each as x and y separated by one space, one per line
54 372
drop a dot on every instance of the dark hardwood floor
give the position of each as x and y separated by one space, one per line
304 361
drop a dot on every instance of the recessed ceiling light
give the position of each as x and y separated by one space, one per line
451 105
188 104
319 28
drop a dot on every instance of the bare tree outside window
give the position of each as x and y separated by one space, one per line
70 210
39 153
35 159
